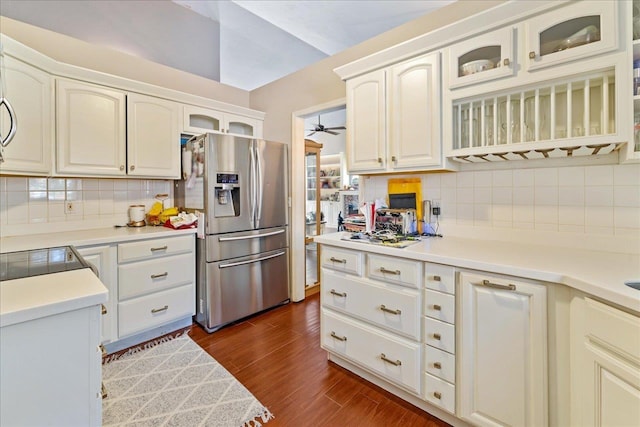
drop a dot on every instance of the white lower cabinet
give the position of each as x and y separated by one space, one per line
103 258
156 283
502 355
373 319
51 370
606 360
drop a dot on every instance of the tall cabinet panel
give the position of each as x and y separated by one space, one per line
502 356
366 128
153 138
414 113
28 89
91 129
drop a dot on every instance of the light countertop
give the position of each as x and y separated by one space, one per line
35 297
79 238
601 274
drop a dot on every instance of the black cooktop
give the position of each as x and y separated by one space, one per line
36 262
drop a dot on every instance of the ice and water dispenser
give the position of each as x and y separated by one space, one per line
227 195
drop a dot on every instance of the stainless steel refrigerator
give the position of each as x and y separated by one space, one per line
242 253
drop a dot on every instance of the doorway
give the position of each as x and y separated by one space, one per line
304 123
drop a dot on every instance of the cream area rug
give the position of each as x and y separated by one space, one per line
174 382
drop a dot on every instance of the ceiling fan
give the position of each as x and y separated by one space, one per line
321 128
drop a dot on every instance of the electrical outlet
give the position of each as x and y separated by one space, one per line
435 208
69 208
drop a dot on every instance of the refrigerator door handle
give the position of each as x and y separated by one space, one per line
254 236
251 261
252 183
259 183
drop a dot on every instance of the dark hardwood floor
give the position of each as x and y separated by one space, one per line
277 356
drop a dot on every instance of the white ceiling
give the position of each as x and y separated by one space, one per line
242 43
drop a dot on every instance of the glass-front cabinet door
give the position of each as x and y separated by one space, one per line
313 215
482 58
575 31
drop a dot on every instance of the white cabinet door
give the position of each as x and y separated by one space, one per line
605 365
366 123
573 32
103 258
91 129
198 120
414 112
28 89
153 139
502 354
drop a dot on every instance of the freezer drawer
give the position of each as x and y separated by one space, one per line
234 245
238 287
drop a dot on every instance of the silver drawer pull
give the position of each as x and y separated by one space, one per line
488 284
394 272
437 395
436 279
341 261
338 294
388 310
393 362
339 338
437 336
436 307
157 276
161 248
437 365
158 310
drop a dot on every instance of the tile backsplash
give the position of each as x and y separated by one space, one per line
33 204
591 200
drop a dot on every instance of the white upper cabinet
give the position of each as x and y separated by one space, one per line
483 58
153 148
106 132
393 118
28 90
91 129
578 30
198 120
366 124
414 113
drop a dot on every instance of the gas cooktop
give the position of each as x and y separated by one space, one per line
36 262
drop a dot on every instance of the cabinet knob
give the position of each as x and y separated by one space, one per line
532 55
437 278
103 311
132 167
437 365
393 159
506 62
437 307
437 395
121 167
437 336
380 160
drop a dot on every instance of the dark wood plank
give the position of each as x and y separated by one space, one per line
277 356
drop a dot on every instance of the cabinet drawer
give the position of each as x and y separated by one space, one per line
153 310
439 334
440 363
440 278
341 260
394 270
440 393
155 248
144 277
440 306
367 346
391 307
601 322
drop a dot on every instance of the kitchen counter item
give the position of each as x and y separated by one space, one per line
477 66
